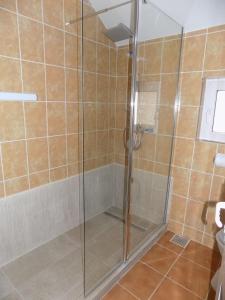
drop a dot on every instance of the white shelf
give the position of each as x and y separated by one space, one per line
5 96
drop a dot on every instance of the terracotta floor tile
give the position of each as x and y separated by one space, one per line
118 293
170 290
202 255
192 276
141 281
165 241
159 258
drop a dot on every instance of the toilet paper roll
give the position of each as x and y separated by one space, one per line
220 160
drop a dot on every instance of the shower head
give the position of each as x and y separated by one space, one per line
119 33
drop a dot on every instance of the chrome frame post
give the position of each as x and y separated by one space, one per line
127 199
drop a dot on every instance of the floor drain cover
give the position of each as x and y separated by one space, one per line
179 240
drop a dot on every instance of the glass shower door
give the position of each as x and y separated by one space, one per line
158 58
105 103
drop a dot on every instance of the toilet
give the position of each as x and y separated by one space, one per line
220 239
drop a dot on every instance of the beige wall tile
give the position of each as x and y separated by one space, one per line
89 145
30 8
10 76
218 189
193 234
215 51
11 121
89 116
14 159
9 45
191 86
58 173
54 46
56 118
2 192
177 210
37 155
152 66
102 88
72 10
193 53
203 156
16 185
9 4
71 51
72 112
147 150
103 117
171 56
89 86
34 79
72 148
30 33
200 186
113 59
180 181
187 122
102 59
55 81
122 61
53 13
90 55
89 24
101 143
72 85
35 115
168 89
183 152
57 151
194 215
38 179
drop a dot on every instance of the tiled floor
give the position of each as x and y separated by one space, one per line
54 271
168 271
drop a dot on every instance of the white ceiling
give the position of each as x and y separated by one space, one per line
191 14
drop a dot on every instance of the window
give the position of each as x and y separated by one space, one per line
212 117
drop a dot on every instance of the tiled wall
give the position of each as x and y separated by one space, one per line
158 62
39 142
198 185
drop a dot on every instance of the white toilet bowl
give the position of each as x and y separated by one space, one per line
220 239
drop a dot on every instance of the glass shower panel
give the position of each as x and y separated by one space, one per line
105 93
158 57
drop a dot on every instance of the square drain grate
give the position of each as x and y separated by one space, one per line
179 240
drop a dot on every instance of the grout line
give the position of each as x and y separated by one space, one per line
46 90
23 104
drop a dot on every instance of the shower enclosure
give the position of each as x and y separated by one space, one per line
130 66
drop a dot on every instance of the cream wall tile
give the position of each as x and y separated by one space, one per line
14 159
31 38
9 4
11 121
30 8
34 79
10 77
57 151
193 53
55 81
53 13
54 46
35 115
215 51
37 155
9 45
56 118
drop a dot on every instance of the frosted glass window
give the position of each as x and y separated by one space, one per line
219 116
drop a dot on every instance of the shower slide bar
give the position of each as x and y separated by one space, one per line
98 12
